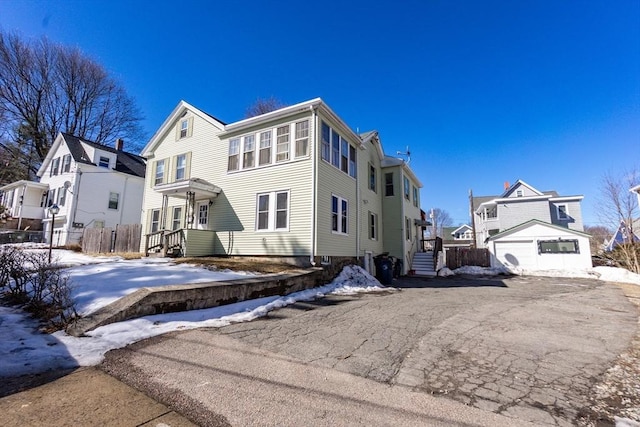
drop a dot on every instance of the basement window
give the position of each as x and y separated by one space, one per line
558 247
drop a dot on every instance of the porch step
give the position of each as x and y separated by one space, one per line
423 264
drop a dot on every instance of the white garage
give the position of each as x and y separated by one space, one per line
537 245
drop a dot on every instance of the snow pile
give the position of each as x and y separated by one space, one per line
626 422
615 274
607 274
24 350
481 271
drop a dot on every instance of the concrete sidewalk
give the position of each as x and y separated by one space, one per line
85 397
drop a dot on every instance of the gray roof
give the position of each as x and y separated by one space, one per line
128 163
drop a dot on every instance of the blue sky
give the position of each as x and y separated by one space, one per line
481 92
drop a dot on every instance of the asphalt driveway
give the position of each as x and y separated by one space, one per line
443 351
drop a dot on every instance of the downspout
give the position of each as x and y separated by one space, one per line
76 195
314 185
357 213
124 197
407 265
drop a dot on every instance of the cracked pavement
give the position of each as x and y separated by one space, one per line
527 348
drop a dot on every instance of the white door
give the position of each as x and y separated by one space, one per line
202 215
520 254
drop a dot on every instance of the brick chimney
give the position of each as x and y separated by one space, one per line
119 144
506 185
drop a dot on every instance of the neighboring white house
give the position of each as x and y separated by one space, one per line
92 184
24 203
296 182
636 190
537 245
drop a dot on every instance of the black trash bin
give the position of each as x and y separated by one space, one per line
386 271
377 261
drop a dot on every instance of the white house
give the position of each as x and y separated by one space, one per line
93 185
537 245
24 203
294 183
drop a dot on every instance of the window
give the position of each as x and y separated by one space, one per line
492 212
177 218
66 163
335 148
159 172
104 162
272 211
407 227
98 224
388 184
302 138
372 178
181 167
184 129
62 193
203 214
155 220
415 196
344 155
249 151
234 154
326 142
339 215
282 144
55 166
265 148
51 197
406 188
518 193
113 200
43 199
352 161
558 247
563 212
373 226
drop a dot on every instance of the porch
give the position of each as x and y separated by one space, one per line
188 234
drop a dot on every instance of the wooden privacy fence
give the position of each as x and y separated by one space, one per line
125 238
458 257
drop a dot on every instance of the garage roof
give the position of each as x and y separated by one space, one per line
534 222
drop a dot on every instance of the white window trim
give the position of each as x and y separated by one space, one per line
271 211
340 214
566 212
100 161
340 154
373 224
117 200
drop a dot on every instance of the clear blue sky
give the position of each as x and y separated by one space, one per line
482 92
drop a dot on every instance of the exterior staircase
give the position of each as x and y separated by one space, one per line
423 264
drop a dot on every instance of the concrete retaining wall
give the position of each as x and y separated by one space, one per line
172 298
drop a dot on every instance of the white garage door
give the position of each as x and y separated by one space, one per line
517 254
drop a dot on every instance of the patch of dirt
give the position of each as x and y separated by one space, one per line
618 393
239 264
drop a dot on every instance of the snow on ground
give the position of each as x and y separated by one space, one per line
24 350
607 274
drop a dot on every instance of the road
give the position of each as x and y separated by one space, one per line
444 351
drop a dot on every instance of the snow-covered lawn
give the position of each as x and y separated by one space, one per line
99 281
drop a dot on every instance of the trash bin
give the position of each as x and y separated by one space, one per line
386 274
397 268
377 261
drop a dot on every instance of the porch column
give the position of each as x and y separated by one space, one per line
163 212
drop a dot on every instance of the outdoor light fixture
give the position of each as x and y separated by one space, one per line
53 210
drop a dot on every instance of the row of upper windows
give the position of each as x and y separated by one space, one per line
56 169
242 150
58 196
491 213
388 185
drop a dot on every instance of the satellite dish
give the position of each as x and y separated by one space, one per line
67 184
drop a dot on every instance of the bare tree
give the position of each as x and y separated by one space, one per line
619 207
46 88
439 219
599 236
263 106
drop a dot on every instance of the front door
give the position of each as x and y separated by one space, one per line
202 215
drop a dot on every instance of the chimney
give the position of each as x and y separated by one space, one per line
506 185
119 144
